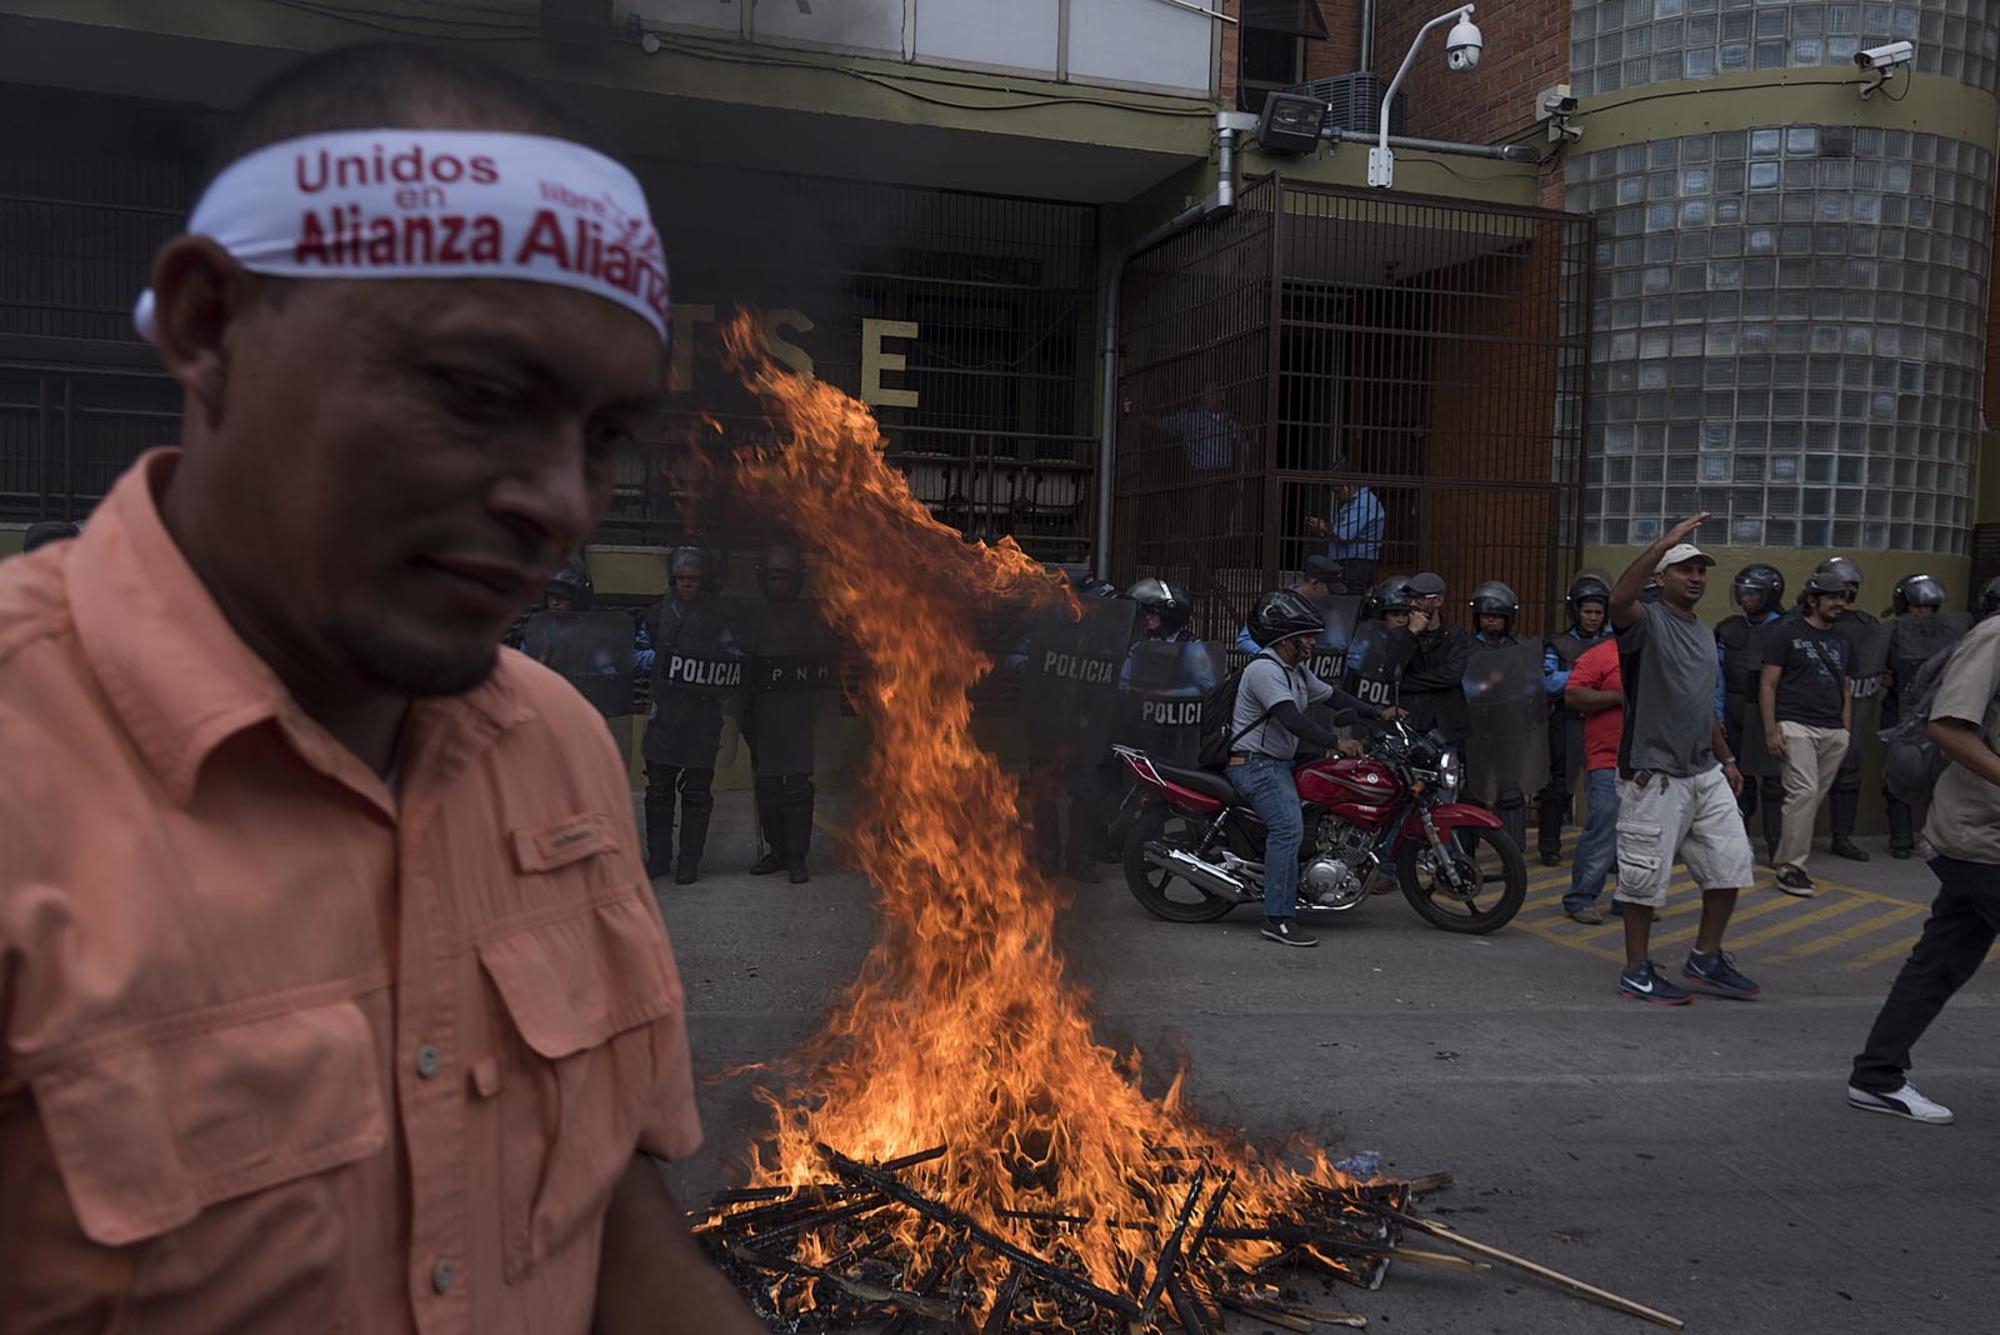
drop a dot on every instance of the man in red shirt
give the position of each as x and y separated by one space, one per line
1596 691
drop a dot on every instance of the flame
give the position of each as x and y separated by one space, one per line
960 1029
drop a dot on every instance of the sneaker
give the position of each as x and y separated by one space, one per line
1795 882
1905 1103
1552 857
1843 847
1587 915
1642 982
685 873
1718 973
1287 933
1902 854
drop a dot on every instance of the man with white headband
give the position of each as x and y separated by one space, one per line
333 995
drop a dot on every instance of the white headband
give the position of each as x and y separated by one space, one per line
437 204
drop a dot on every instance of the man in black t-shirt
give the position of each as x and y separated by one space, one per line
1802 693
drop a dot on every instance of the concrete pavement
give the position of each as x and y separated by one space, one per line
1698 1159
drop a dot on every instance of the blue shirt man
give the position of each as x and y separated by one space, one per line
1355 531
1209 433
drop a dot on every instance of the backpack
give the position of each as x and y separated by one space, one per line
1911 761
1218 711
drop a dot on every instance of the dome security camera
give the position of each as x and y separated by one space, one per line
1463 45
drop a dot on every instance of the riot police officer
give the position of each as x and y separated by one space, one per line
695 650
791 674
1433 685
1589 595
1920 630
1856 626
1759 593
1517 716
1164 610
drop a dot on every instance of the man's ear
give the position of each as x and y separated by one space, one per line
198 290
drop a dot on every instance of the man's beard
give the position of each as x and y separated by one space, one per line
401 667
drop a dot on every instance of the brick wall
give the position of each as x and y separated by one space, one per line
1340 53
1229 44
1527 49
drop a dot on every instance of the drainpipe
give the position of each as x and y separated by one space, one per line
1366 62
1220 200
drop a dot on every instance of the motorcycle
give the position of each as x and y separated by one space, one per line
1194 850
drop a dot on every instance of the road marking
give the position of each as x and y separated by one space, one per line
1736 940
1742 915
1894 950
1875 922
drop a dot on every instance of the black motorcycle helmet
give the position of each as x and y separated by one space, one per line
1916 591
1283 614
1767 581
1495 599
1391 595
781 572
1170 604
1588 587
1989 598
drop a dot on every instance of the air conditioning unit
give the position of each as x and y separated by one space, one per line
1355 102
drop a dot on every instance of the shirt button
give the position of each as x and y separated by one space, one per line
427 1065
442 1276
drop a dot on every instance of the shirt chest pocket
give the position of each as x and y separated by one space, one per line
580 1060
203 1144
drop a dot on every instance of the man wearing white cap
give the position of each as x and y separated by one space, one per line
332 992
1677 781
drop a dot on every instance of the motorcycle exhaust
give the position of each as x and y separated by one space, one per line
1205 875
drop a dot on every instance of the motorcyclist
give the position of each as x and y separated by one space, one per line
1589 595
1759 593
1495 608
1319 579
1918 597
1266 727
1845 801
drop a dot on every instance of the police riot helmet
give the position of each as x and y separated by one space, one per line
1283 614
1084 583
781 570
1824 581
1989 598
1767 581
1495 599
1170 604
1391 595
572 583
1588 587
1844 570
1917 591
684 561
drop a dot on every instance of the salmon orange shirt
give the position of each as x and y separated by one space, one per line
280 1051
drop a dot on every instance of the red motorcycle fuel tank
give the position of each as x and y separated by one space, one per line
1360 791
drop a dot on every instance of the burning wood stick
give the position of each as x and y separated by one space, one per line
1556 1277
1319 1315
1440 1259
1209 1216
807 1223
1263 1312
1003 1303
1170 1255
1187 1308
1430 1182
943 1266
993 1242
935 1309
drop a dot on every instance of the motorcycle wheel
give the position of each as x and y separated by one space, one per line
1487 859
1160 892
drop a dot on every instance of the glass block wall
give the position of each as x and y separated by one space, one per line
1619 44
1787 330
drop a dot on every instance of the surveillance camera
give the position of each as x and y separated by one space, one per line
1886 58
1462 47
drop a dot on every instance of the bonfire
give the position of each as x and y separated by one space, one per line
958 1147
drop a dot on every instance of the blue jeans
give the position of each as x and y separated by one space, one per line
1597 850
1266 784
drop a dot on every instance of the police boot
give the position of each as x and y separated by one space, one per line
697 805
659 821
769 792
1842 806
1554 808
797 818
1902 829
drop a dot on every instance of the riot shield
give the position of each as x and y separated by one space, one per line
1508 751
1868 642
697 668
1376 656
1069 679
791 670
1328 660
591 650
1162 687
1913 641
1752 756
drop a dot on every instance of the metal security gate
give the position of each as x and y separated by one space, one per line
1398 382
